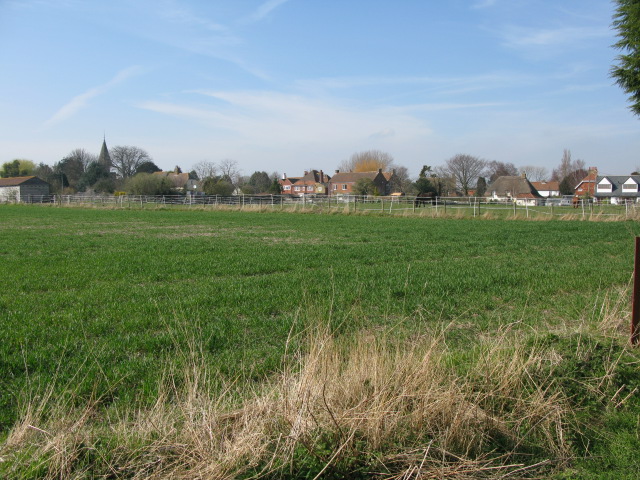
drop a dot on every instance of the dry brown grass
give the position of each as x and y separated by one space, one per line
404 409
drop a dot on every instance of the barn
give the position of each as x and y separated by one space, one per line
22 189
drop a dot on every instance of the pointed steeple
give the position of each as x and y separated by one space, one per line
104 158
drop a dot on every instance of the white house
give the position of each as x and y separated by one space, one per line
618 189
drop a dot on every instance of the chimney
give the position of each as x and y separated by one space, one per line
379 170
593 169
284 176
337 171
306 172
524 175
321 176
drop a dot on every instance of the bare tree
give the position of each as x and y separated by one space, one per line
126 159
535 174
368 161
230 171
401 180
205 169
82 156
497 169
570 170
465 169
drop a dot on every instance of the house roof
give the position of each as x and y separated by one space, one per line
616 185
546 186
516 186
352 177
316 176
16 181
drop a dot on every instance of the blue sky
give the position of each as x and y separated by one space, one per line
288 85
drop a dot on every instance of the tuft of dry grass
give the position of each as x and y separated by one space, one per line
406 409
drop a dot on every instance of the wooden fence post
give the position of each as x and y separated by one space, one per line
635 301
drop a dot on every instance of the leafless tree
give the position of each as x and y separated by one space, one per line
401 181
497 169
82 156
571 170
535 174
368 161
230 171
126 159
465 169
205 169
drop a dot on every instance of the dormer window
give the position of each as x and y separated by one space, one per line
605 186
630 186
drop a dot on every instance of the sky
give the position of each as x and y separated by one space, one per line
291 85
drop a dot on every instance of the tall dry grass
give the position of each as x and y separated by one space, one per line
368 403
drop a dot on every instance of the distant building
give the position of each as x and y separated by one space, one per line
547 189
587 186
313 182
342 182
514 189
21 189
618 189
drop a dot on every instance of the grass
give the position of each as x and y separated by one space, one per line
130 336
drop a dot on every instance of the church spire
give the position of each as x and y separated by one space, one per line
104 158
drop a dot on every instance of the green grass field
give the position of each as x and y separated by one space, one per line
100 304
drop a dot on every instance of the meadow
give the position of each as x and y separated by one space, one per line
107 313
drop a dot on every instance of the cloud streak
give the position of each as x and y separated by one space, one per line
263 10
79 102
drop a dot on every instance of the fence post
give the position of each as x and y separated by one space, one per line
514 208
635 301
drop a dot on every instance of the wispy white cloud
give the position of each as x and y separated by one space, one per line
269 118
263 10
516 37
484 4
179 14
78 102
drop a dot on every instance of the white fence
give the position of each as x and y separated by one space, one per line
393 205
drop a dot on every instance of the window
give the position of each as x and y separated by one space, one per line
297 189
310 188
335 187
604 187
287 187
344 186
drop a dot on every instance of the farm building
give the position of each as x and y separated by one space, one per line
21 189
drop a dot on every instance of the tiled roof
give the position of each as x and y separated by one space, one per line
547 186
15 181
351 177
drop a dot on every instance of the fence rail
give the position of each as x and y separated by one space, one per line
391 205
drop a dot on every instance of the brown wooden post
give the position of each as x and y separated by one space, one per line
635 300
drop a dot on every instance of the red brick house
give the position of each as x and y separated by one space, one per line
313 182
587 186
342 182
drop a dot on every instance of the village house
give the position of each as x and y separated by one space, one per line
547 189
587 186
617 189
23 189
342 182
514 189
313 182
